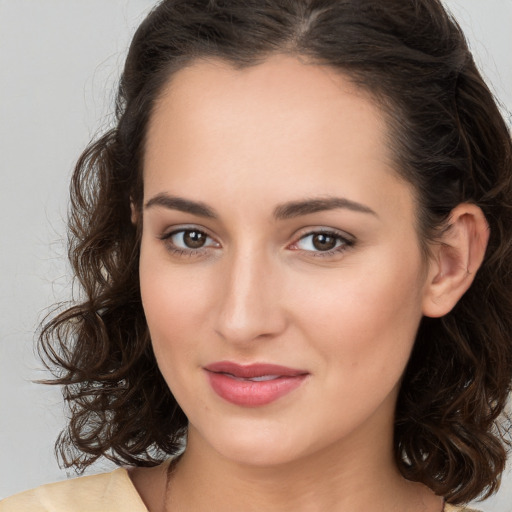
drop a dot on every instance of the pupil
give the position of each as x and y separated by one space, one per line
324 242
194 239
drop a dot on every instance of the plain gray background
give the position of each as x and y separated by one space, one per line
59 63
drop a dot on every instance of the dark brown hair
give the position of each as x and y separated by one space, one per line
449 141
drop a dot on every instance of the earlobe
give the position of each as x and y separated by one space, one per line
455 259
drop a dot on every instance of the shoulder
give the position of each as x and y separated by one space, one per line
453 508
108 491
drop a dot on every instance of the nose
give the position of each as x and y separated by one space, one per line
249 305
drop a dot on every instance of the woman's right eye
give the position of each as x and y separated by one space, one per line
188 240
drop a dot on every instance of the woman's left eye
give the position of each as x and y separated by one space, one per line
323 242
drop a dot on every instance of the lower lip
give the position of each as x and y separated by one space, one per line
249 393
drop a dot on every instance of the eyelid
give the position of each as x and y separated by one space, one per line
312 230
172 230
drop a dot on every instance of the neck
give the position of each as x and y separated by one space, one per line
350 476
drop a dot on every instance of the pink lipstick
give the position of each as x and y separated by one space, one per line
253 385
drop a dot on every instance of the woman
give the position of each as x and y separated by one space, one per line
294 250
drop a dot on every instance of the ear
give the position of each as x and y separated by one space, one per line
455 258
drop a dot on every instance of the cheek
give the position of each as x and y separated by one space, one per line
172 307
366 316
171 299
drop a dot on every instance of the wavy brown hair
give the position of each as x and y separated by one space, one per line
449 141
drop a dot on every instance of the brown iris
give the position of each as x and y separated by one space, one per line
324 242
194 239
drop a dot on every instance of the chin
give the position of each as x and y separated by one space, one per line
252 445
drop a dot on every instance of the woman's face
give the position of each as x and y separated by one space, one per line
276 232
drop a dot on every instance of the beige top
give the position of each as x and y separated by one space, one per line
107 492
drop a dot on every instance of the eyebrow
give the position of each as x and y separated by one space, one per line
182 205
298 208
282 212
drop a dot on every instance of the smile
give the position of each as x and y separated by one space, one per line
253 385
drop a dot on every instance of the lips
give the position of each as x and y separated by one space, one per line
253 385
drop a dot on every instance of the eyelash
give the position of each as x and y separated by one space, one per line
346 243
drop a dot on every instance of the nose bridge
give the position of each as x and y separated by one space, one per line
248 307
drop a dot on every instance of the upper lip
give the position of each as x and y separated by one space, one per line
247 371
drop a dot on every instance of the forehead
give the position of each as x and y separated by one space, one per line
283 97
255 129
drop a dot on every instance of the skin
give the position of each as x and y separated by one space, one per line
243 144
